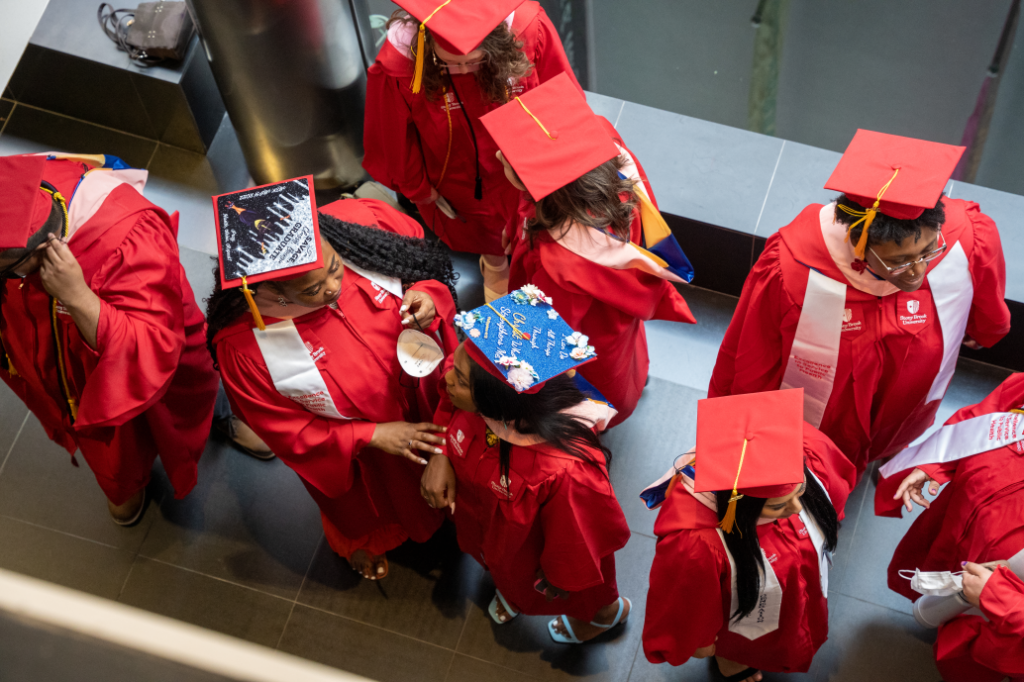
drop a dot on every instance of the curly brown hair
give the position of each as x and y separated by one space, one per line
595 199
504 59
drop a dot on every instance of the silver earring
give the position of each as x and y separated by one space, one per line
281 302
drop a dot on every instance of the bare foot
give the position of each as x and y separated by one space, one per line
503 614
369 566
584 630
729 668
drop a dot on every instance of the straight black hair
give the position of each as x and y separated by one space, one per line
539 413
745 548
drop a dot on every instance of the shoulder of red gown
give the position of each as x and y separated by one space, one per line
831 466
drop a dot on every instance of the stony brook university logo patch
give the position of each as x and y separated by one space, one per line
913 306
457 442
852 320
316 354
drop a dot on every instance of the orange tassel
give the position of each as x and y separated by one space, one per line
728 521
252 305
417 79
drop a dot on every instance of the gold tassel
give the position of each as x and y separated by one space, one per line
417 79
73 405
867 217
729 518
252 305
728 521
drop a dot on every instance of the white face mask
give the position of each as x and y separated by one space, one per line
938 583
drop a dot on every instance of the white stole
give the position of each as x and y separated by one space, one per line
812 361
291 366
957 441
765 616
292 369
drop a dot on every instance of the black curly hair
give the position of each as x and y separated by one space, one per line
746 550
541 413
886 228
409 259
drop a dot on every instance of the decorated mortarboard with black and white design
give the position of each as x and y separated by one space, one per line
522 339
267 232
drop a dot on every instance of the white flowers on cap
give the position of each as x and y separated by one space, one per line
581 346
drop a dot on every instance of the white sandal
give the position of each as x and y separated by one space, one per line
573 639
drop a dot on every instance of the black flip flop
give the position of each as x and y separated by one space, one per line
716 673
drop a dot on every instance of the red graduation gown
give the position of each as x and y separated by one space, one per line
149 387
406 137
562 517
978 517
885 369
360 490
607 305
689 599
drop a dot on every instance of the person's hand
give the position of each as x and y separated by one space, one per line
506 241
975 577
437 485
418 309
434 196
991 565
971 343
403 438
550 591
62 275
705 651
911 489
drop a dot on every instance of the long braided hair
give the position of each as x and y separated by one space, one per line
409 259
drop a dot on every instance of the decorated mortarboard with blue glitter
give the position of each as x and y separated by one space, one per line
522 339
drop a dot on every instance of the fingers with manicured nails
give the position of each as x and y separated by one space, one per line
410 455
975 578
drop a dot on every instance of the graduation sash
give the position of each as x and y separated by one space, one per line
812 361
292 369
957 441
291 366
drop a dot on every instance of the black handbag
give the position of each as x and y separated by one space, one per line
151 33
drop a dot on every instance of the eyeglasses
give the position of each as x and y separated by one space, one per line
903 267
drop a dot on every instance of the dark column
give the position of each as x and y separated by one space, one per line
294 83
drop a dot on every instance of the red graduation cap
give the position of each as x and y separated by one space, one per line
267 232
898 176
458 26
550 136
751 444
25 207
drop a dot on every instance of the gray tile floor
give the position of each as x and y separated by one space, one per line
244 553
